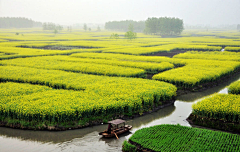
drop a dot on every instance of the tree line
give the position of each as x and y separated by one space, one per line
123 25
18 22
165 26
130 35
52 26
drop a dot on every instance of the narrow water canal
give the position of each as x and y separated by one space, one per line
87 139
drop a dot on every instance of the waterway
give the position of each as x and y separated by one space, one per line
88 140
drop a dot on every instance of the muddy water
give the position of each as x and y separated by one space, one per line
87 139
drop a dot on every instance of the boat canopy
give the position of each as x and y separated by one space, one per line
117 121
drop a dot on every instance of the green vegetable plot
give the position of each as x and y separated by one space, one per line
180 138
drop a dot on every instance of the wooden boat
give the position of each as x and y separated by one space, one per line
118 128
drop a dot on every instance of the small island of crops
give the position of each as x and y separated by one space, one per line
77 79
219 111
180 138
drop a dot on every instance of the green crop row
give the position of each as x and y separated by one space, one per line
180 138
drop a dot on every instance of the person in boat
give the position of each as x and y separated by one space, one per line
109 128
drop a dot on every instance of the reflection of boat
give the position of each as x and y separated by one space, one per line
118 127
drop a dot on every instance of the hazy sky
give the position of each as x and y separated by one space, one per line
66 12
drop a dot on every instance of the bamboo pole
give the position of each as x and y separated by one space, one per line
115 135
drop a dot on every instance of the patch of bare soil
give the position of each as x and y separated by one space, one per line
168 54
149 76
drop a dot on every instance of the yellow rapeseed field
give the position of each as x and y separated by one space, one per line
219 106
55 77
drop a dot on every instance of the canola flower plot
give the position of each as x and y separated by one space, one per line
194 73
216 55
89 65
75 44
16 52
100 42
89 68
162 48
198 47
94 95
234 88
55 64
218 111
232 49
135 58
198 72
219 106
181 138
149 67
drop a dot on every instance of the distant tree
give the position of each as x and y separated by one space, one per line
130 34
18 22
124 25
98 28
59 27
69 28
238 27
44 26
114 36
89 29
151 26
164 26
52 26
130 27
85 27
55 31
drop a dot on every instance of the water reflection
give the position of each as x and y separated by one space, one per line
144 120
90 142
62 136
49 136
87 139
221 88
93 142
